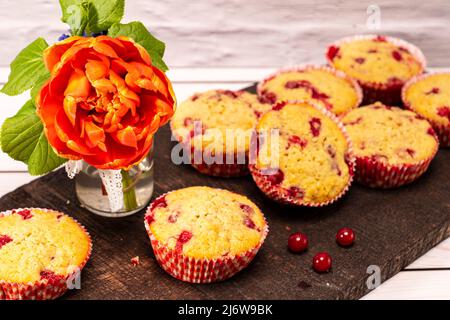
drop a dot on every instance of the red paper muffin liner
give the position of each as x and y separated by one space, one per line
378 174
386 93
442 130
337 73
44 289
279 194
223 169
196 270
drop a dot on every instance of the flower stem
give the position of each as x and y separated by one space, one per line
129 194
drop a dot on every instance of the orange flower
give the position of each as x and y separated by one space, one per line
104 101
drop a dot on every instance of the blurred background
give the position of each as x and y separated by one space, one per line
247 33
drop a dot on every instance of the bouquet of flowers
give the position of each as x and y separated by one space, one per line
97 95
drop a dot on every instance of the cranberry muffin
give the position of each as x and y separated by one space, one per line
392 146
39 250
381 65
215 129
429 96
323 85
303 155
203 234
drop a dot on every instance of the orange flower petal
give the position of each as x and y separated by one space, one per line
52 55
104 85
96 70
129 94
102 146
70 108
72 145
120 67
105 49
60 133
94 133
133 46
116 80
144 54
128 105
143 70
127 137
78 85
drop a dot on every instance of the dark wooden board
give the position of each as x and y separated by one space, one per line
393 228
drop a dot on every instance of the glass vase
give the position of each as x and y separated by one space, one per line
137 188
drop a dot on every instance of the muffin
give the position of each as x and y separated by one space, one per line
303 155
215 129
323 85
203 234
40 251
392 146
381 65
429 96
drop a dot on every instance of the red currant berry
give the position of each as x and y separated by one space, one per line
297 242
345 237
322 262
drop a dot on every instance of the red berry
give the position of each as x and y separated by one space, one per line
297 242
322 262
345 237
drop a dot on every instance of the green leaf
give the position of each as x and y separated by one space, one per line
22 138
79 18
98 15
139 33
26 68
38 85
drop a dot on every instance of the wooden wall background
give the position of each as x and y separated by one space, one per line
246 33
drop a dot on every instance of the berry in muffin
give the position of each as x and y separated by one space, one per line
380 64
392 146
309 161
429 96
39 250
325 86
203 234
216 127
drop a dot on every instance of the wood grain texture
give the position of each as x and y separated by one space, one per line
393 228
245 33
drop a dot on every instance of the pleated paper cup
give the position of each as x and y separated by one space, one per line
277 193
195 270
43 289
442 130
387 93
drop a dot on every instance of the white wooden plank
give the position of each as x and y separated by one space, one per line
242 33
12 180
438 257
208 75
219 74
414 285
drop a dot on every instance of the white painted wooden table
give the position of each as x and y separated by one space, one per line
426 278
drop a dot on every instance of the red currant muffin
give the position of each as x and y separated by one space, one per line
323 85
215 129
203 234
303 156
381 65
39 250
392 146
429 96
